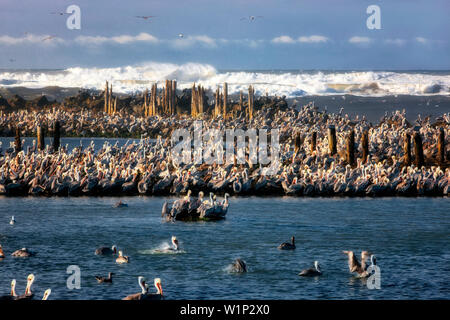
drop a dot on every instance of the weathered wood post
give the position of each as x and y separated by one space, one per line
106 97
365 146
193 102
313 141
332 139
441 146
241 100
174 96
217 105
225 98
418 150
56 136
17 141
40 138
251 92
350 152
407 150
110 99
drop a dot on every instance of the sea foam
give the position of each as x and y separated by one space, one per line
135 79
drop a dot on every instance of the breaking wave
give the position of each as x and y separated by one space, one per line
133 79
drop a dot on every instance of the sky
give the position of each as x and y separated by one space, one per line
284 34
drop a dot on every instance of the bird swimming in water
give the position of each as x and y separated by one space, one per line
239 266
47 294
24 252
12 295
2 254
12 221
355 266
28 295
122 259
108 279
120 204
287 245
311 272
106 250
144 295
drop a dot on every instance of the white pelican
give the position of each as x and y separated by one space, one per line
122 259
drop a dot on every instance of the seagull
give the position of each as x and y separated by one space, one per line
145 17
59 13
48 38
251 18
12 221
180 35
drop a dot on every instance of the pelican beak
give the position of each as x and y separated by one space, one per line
160 288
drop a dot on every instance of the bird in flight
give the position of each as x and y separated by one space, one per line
12 60
180 35
48 38
251 18
59 13
145 17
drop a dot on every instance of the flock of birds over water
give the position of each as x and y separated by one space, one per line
360 268
147 166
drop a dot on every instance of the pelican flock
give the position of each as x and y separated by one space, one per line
147 167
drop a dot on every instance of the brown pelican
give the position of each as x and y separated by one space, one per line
154 296
24 252
138 296
239 266
47 294
28 294
144 295
2 254
101 279
122 259
106 250
311 272
287 245
120 204
12 295
354 265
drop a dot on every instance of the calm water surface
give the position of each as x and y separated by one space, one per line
410 238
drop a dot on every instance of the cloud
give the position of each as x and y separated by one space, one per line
283 39
122 39
421 40
313 39
194 40
302 39
396 42
29 38
359 40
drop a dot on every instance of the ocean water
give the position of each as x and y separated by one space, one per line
291 83
408 236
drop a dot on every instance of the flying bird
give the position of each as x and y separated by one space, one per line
180 35
145 17
48 38
251 18
59 13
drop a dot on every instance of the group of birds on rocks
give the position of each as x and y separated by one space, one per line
148 167
189 209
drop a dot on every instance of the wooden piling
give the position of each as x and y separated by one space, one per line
174 96
332 140
225 98
418 150
217 107
365 146
251 95
106 97
350 152
40 138
56 136
17 141
407 149
441 146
